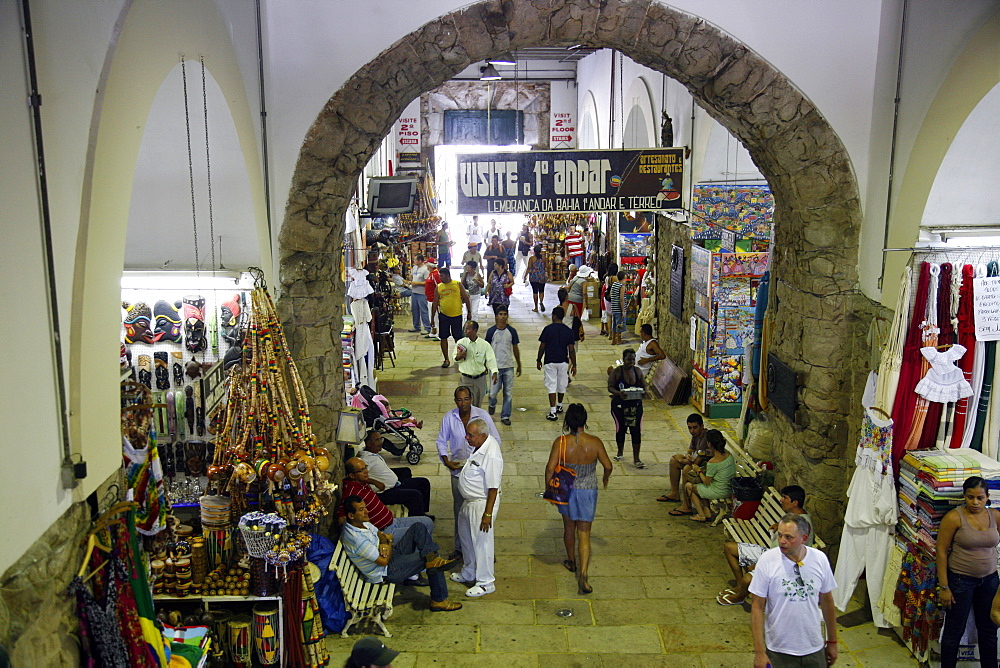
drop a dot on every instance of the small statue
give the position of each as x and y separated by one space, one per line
666 130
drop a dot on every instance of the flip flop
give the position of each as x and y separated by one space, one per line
724 599
667 499
680 513
569 565
701 520
445 364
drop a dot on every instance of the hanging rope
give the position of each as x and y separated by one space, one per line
187 126
208 164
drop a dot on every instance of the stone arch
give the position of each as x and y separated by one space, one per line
818 211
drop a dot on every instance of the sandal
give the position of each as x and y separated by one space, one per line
726 599
700 520
639 465
585 588
569 565
667 499
445 364
677 512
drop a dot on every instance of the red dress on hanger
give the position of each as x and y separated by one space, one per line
910 368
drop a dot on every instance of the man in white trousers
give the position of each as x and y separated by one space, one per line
479 483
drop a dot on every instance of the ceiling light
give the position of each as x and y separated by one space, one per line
504 59
489 73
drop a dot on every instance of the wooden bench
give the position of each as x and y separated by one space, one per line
364 600
757 530
746 467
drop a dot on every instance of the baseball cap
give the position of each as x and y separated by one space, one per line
430 260
370 651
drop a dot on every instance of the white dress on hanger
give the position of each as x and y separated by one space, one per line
943 382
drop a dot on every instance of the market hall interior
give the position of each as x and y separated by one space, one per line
813 108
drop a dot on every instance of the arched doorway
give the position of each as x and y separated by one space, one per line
816 226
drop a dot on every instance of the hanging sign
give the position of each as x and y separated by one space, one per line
986 307
570 181
407 132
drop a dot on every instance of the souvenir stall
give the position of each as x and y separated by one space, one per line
745 212
549 230
937 423
223 486
725 295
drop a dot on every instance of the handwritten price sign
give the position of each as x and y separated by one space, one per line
986 293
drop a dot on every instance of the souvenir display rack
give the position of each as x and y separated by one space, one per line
265 490
725 291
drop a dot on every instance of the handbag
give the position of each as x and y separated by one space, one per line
560 485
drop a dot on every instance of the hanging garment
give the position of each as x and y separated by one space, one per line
894 564
967 337
144 477
869 517
978 366
989 362
928 335
892 356
916 596
909 373
992 427
863 550
944 381
946 336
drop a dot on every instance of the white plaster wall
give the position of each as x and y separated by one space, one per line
31 496
962 193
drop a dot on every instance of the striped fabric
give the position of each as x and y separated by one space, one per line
378 514
574 244
361 545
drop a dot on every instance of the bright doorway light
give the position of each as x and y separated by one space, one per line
446 182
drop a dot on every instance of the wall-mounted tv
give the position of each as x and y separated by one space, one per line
391 195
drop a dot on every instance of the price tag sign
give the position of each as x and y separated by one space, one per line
986 303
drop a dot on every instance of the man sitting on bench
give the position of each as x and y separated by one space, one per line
357 483
395 485
742 557
382 559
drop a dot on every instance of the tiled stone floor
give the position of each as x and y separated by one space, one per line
655 577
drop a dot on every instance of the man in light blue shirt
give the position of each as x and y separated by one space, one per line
453 448
381 559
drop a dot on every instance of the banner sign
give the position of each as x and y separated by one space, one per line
570 181
407 132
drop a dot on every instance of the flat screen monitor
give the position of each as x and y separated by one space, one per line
391 195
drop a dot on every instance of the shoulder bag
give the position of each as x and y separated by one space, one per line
560 485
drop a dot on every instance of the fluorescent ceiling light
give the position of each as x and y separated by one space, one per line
185 280
504 59
489 73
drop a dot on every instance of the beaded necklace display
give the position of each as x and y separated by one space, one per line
264 429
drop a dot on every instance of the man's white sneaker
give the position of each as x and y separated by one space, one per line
479 590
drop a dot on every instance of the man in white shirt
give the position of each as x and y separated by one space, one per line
453 448
395 485
476 362
791 584
475 233
504 340
419 309
479 483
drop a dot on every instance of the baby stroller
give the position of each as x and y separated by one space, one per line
396 425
